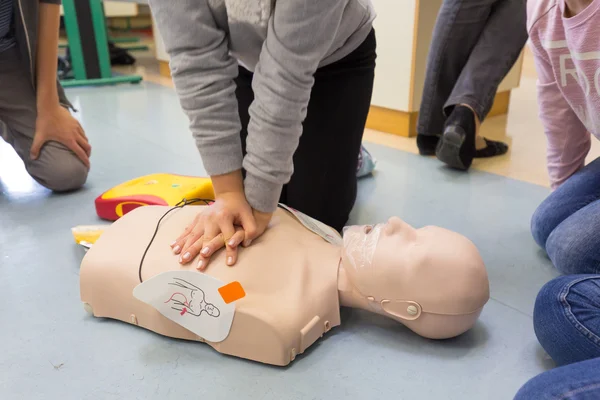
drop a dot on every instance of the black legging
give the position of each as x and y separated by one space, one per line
323 184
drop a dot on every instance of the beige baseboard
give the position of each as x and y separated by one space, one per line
399 123
126 23
501 104
404 123
164 69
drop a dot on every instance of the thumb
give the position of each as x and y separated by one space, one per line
36 146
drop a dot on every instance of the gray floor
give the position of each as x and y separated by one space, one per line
50 348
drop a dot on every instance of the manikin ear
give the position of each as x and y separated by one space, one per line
403 309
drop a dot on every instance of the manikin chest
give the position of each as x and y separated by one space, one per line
289 276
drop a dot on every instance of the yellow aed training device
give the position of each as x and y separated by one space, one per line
154 189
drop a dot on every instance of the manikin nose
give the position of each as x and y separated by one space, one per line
397 224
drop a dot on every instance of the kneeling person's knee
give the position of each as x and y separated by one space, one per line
574 250
542 224
557 321
58 170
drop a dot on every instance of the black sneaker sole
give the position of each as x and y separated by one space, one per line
427 152
448 149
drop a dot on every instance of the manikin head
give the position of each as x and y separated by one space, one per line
430 279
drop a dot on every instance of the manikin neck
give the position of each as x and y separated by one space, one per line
348 294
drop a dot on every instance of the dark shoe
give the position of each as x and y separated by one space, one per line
492 149
457 145
427 144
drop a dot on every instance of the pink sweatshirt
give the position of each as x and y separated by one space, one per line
567 58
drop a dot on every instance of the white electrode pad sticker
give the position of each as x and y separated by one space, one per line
327 233
191 299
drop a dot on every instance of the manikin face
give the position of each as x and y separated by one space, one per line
431 269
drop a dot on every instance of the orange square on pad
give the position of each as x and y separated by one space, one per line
231 292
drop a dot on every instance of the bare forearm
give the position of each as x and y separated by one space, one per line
227 183
47 56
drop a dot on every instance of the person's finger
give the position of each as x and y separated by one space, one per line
225 221
187 252
79 152
81 130
177 245
250 228
36 146
196 235
237 238
211 230
214 245
210 247
84 144
191 250
231 253
188 229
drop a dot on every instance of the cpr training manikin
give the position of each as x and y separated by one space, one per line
286 289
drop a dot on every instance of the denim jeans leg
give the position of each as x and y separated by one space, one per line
497 49
566 318
458 26
567 323
580 381
577 192
574 245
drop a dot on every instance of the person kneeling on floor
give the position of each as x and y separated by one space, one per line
566 223
566 316
566 319
34 111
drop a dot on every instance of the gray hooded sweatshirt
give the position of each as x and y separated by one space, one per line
283 42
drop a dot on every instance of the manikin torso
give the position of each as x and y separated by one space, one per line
294 281
291 293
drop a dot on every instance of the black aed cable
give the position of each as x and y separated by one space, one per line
181 204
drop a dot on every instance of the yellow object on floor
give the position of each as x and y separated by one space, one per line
86 235
154 189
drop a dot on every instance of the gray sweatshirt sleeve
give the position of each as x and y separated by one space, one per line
300 34
203 73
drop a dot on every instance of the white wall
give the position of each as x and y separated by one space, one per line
395 28
159 45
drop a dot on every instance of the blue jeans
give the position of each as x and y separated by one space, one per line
567 223
566 320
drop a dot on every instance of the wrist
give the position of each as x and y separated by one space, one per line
47 104
231 182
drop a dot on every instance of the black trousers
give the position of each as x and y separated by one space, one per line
323 184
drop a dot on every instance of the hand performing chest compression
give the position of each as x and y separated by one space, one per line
229 222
